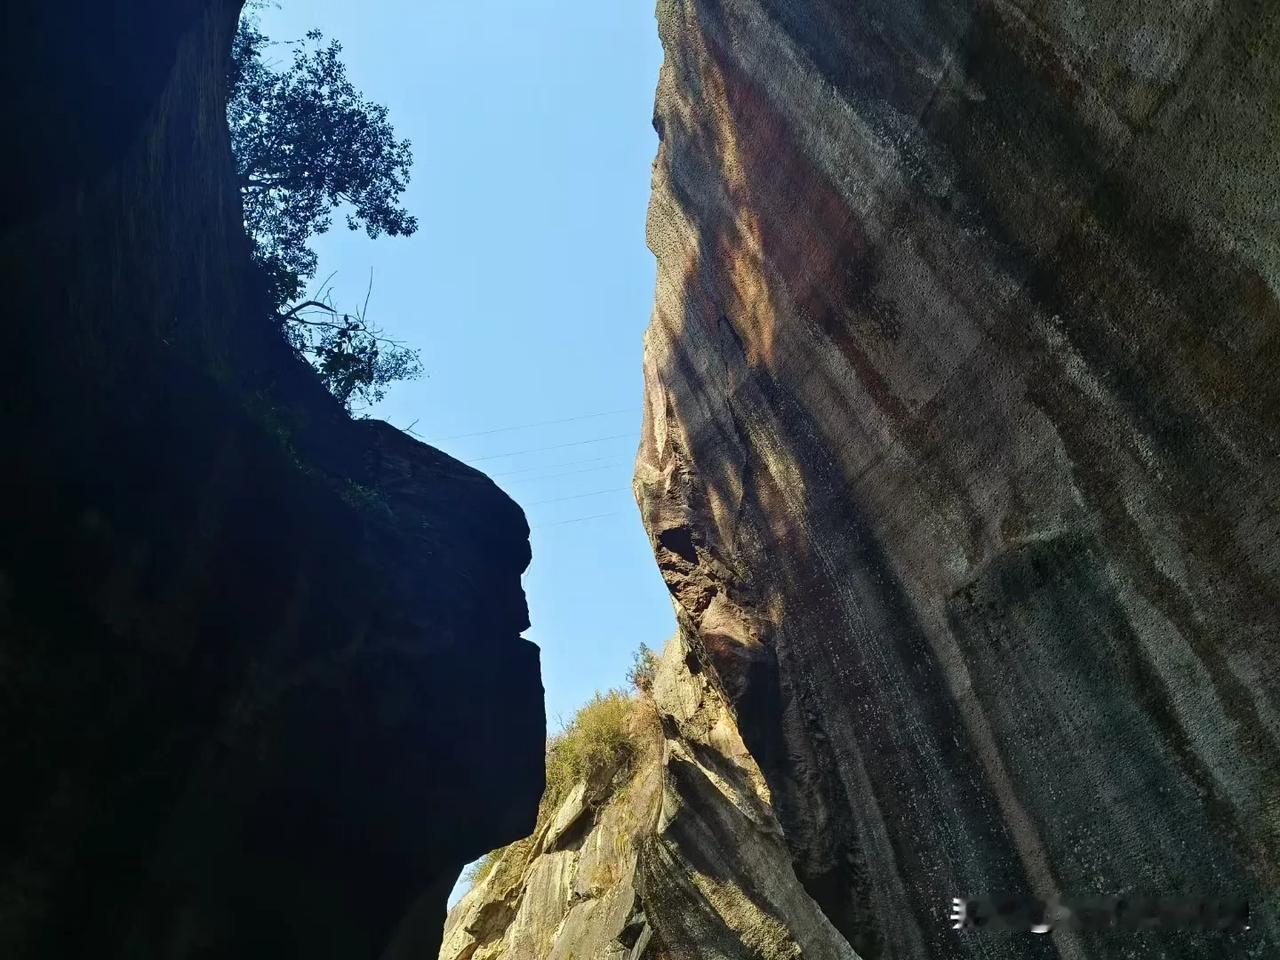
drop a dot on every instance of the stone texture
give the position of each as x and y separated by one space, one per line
960 448
263 690
568 891
715 875
683 860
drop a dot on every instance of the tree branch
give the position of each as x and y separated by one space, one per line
365 309
359 328
292 312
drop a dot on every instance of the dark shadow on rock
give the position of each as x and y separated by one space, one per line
264 689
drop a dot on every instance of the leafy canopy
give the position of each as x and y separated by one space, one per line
306 143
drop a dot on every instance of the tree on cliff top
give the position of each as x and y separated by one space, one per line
307 143
354 359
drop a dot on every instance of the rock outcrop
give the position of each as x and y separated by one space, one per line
960 461
683 858
263 689
960 453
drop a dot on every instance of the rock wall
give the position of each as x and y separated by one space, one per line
960 448
681 860
263 688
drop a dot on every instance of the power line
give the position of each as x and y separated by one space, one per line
543 466
564 473
561 523
526 426
576 496
554 446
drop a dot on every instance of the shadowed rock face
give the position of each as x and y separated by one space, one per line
263 688
960 449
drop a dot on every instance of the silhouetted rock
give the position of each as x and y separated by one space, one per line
263 688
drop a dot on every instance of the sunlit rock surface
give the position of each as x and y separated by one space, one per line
960 450
683 860
262 685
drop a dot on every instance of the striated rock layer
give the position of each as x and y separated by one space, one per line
960 450
683 859
263 690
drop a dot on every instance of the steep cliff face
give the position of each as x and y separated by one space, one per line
684 858
960 449
264 690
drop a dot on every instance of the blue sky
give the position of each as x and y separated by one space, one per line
528 284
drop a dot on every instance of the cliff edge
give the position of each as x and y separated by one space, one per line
960 450
264 690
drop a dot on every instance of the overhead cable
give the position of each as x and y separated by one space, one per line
552 466
526 426
576 496
554 446
566 473
561 523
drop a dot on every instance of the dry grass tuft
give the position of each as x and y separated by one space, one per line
600 746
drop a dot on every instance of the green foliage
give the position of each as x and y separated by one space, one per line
355 360
306 143
644 668
262 407
366 499
597 740
603 740
476 873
